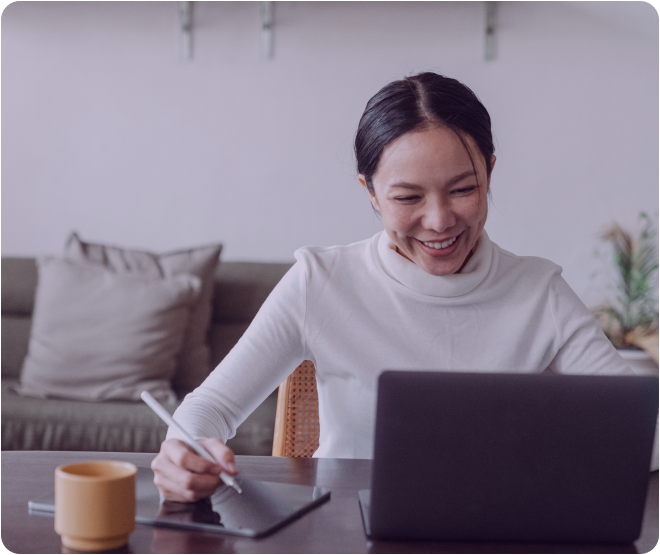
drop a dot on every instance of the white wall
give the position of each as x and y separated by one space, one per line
105 132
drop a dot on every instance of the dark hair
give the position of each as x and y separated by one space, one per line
412 104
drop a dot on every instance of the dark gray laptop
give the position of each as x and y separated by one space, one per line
510 457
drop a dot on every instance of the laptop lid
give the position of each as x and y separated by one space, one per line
511 457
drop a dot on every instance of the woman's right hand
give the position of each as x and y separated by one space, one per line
180 474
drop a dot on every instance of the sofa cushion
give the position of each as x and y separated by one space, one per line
99 335
15 337
255 435
29 423
193 364
242 287
19 282
223 338
65 425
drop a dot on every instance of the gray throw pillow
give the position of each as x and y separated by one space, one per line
193 364
100 335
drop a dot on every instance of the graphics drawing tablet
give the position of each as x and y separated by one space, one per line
262 508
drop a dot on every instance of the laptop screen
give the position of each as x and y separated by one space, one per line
511 457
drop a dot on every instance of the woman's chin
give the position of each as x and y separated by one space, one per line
440 266
437 267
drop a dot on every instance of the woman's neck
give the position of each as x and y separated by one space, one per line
400 268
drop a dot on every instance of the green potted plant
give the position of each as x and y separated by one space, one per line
630 321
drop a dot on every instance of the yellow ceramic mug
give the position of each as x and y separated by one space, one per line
95 504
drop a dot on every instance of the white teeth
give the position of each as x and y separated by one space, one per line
442 245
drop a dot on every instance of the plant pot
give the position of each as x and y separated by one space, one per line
640 361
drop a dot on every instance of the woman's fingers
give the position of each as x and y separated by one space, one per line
182 455
221 453
185 483
182 475
174 481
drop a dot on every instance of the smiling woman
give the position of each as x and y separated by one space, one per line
431 292
432 202
428 170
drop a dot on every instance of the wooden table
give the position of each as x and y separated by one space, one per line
334 527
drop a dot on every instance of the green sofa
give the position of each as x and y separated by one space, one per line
63 425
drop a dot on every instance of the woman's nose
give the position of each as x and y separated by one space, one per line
438 216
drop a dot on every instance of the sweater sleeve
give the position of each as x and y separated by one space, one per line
269 350
584 348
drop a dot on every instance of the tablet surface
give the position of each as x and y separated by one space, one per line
262 508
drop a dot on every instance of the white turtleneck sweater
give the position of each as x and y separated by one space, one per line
358 309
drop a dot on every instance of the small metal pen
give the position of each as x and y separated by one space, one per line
167 418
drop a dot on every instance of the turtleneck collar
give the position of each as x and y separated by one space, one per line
413 277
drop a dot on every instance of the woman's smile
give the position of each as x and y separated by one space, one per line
440 244
440 248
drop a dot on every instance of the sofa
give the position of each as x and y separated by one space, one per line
30 423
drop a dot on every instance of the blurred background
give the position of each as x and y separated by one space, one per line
110 127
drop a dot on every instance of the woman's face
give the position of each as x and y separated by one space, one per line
432 204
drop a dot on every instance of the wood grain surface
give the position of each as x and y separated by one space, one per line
334 527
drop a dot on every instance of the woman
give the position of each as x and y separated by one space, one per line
430 292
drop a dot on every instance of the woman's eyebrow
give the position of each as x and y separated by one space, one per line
452 181
405 185
461 176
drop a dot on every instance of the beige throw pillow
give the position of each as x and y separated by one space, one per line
99 335
193 365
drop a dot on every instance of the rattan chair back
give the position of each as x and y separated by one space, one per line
297 419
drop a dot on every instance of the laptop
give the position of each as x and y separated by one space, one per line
510 457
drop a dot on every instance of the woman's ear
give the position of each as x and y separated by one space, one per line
372 196
493 159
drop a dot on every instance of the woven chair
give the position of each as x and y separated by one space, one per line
297 418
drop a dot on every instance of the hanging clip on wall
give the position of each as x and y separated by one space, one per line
489 43
266 34
185 31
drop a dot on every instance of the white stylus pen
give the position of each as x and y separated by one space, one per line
167 418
